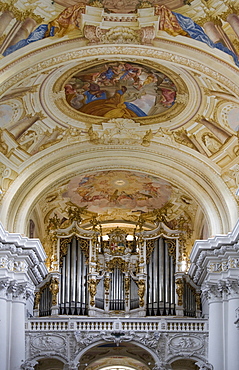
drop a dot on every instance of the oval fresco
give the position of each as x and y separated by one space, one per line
105 191
232 118
120 90
6 114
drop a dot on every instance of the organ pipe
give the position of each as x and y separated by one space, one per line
73 298
160 295
123 281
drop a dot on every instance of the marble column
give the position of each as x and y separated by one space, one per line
4 323
233 20
216 331
215 32
18 128
5 19
220 133
21 267
232 331
212 32
24 31
19 294
10 36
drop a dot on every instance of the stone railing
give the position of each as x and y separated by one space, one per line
117 324
71 337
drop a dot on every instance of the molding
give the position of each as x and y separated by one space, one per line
21 257
216 257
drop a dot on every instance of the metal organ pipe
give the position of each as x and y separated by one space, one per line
166 273
79 294
73 296
68 279
63 285
160 281
73 272
160 268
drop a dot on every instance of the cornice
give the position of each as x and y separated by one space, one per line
24 255
215 255
23 186
113 51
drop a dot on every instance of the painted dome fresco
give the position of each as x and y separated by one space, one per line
120 90
128 191
116 6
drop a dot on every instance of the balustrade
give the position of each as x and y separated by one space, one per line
124 324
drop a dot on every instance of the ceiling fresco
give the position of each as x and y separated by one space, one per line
151 96
232 117
122 6
130 192
120 90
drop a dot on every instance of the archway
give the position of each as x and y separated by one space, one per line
49 364
120 356
184 364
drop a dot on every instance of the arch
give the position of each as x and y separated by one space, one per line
184 364
48 53
133 345
177 359
178 167
49 364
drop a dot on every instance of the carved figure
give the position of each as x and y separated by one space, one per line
54 288
211 143
3 145
179 291
92 289
141 291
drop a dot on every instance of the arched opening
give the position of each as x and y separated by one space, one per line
184 364
116 356
49 364
115 367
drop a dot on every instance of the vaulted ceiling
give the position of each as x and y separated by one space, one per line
177 161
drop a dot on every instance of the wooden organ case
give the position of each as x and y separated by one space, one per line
137 275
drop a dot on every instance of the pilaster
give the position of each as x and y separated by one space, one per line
215 266
21 268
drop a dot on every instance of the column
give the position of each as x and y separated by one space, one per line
24 31
212 32
232 331
233 20
215 32
18 128
19 293
220 133
216 332
9 36
4 322
18 274
5 19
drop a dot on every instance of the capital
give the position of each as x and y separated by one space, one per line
20 291
212 291
4 284
232 288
